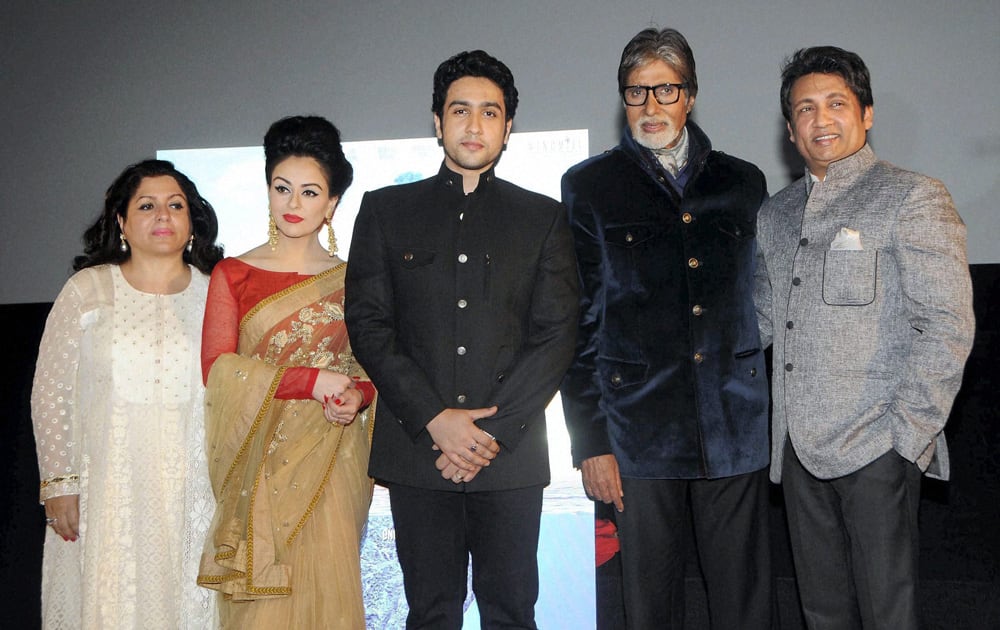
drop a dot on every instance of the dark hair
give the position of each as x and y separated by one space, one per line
309 136
102 242
667 45
825 60
476 63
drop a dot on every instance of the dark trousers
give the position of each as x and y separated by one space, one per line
730 518
435 534
855 543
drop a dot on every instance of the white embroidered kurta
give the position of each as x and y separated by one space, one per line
117 406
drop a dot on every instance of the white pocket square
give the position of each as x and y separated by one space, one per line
847 240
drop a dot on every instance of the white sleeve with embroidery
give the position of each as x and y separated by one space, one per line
53 395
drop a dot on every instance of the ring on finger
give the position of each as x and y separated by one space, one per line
51 521
474 447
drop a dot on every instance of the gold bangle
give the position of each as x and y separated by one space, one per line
54 480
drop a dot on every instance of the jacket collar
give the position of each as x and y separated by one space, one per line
451 180
847 170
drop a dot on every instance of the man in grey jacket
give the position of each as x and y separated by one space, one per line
864 289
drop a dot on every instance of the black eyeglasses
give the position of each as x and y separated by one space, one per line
664 93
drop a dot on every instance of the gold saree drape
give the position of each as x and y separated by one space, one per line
292 489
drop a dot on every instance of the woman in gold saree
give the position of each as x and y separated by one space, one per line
287 446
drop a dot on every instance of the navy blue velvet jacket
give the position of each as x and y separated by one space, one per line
669 371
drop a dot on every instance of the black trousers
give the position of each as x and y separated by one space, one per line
855 543
730 518
435 534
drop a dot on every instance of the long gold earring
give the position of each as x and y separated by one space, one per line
331 239
124 245
272 232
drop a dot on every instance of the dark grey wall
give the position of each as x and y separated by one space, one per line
88 87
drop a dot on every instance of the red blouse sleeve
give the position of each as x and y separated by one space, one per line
297 382
220 328
367 390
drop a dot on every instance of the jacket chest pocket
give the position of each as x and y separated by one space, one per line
634 256
409 258
850 277
738 231
628 236
413 271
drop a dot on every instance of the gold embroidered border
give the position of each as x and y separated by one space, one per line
225 555
371 420
280 294
319 490
219 579
254 427
329 471
267 590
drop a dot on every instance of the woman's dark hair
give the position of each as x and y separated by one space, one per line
102 241
309 136
476 63
826 60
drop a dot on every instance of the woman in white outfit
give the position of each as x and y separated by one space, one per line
117 406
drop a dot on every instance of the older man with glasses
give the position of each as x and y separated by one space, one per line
666 400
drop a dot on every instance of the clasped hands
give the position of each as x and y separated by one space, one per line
465 448
339 395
